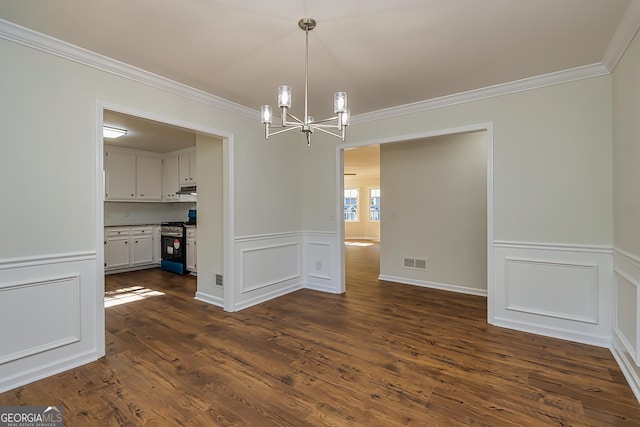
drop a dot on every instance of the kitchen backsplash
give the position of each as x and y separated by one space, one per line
127 213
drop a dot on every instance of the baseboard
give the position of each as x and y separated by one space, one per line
128 269
595 340
626 364
210 299
434 285
321 288
41 372
267 296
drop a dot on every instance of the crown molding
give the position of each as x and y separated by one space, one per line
27 37
565 76
627 29
623 36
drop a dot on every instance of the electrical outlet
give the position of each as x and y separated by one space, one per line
318 265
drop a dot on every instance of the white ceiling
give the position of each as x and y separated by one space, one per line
148 135
383 53
362 162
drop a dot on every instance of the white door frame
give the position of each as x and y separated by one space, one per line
228 204
487 127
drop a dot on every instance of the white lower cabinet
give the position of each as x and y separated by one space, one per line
128 248
192 253
116 248
142 246
157 245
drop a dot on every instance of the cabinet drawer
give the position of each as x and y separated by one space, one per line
191 232
115 232
142 231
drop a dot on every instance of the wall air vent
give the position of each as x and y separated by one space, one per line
415 263
218 279
421 264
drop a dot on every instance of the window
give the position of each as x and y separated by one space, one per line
351 204
374 204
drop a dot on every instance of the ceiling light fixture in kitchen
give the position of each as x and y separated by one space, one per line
111 132
336 125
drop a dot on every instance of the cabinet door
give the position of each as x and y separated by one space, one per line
192 261
170 178
157 245
116 252
184 162
192 167
120 171
149 177
142 250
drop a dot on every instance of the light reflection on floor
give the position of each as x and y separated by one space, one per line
358 243
126 295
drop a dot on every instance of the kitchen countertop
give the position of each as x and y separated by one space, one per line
132 225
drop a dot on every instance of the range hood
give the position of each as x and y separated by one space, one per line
191 189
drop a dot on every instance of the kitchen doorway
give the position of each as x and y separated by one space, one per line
214 285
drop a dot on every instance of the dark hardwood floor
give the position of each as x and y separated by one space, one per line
382 354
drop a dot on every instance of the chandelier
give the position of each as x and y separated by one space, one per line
336 125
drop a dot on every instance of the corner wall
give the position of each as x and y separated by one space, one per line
626 202
209 240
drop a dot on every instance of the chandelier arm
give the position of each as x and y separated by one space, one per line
297 120
326 126
326 131
327 120
287 129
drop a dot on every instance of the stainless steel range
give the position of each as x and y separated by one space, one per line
174 247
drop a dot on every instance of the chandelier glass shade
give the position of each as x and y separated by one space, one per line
335 126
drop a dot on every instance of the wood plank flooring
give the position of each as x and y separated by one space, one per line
383 354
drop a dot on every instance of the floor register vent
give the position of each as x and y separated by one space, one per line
417 263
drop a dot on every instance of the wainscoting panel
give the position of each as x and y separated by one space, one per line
267 266
48 316
320 262
529 282
626 324
561 291
52 321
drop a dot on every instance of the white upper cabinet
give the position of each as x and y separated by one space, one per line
171 178
149 177
187 168
132 176
144 176
120 175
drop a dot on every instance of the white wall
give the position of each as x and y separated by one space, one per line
52 183
552 158
435 209
364 228
210 217
626 179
